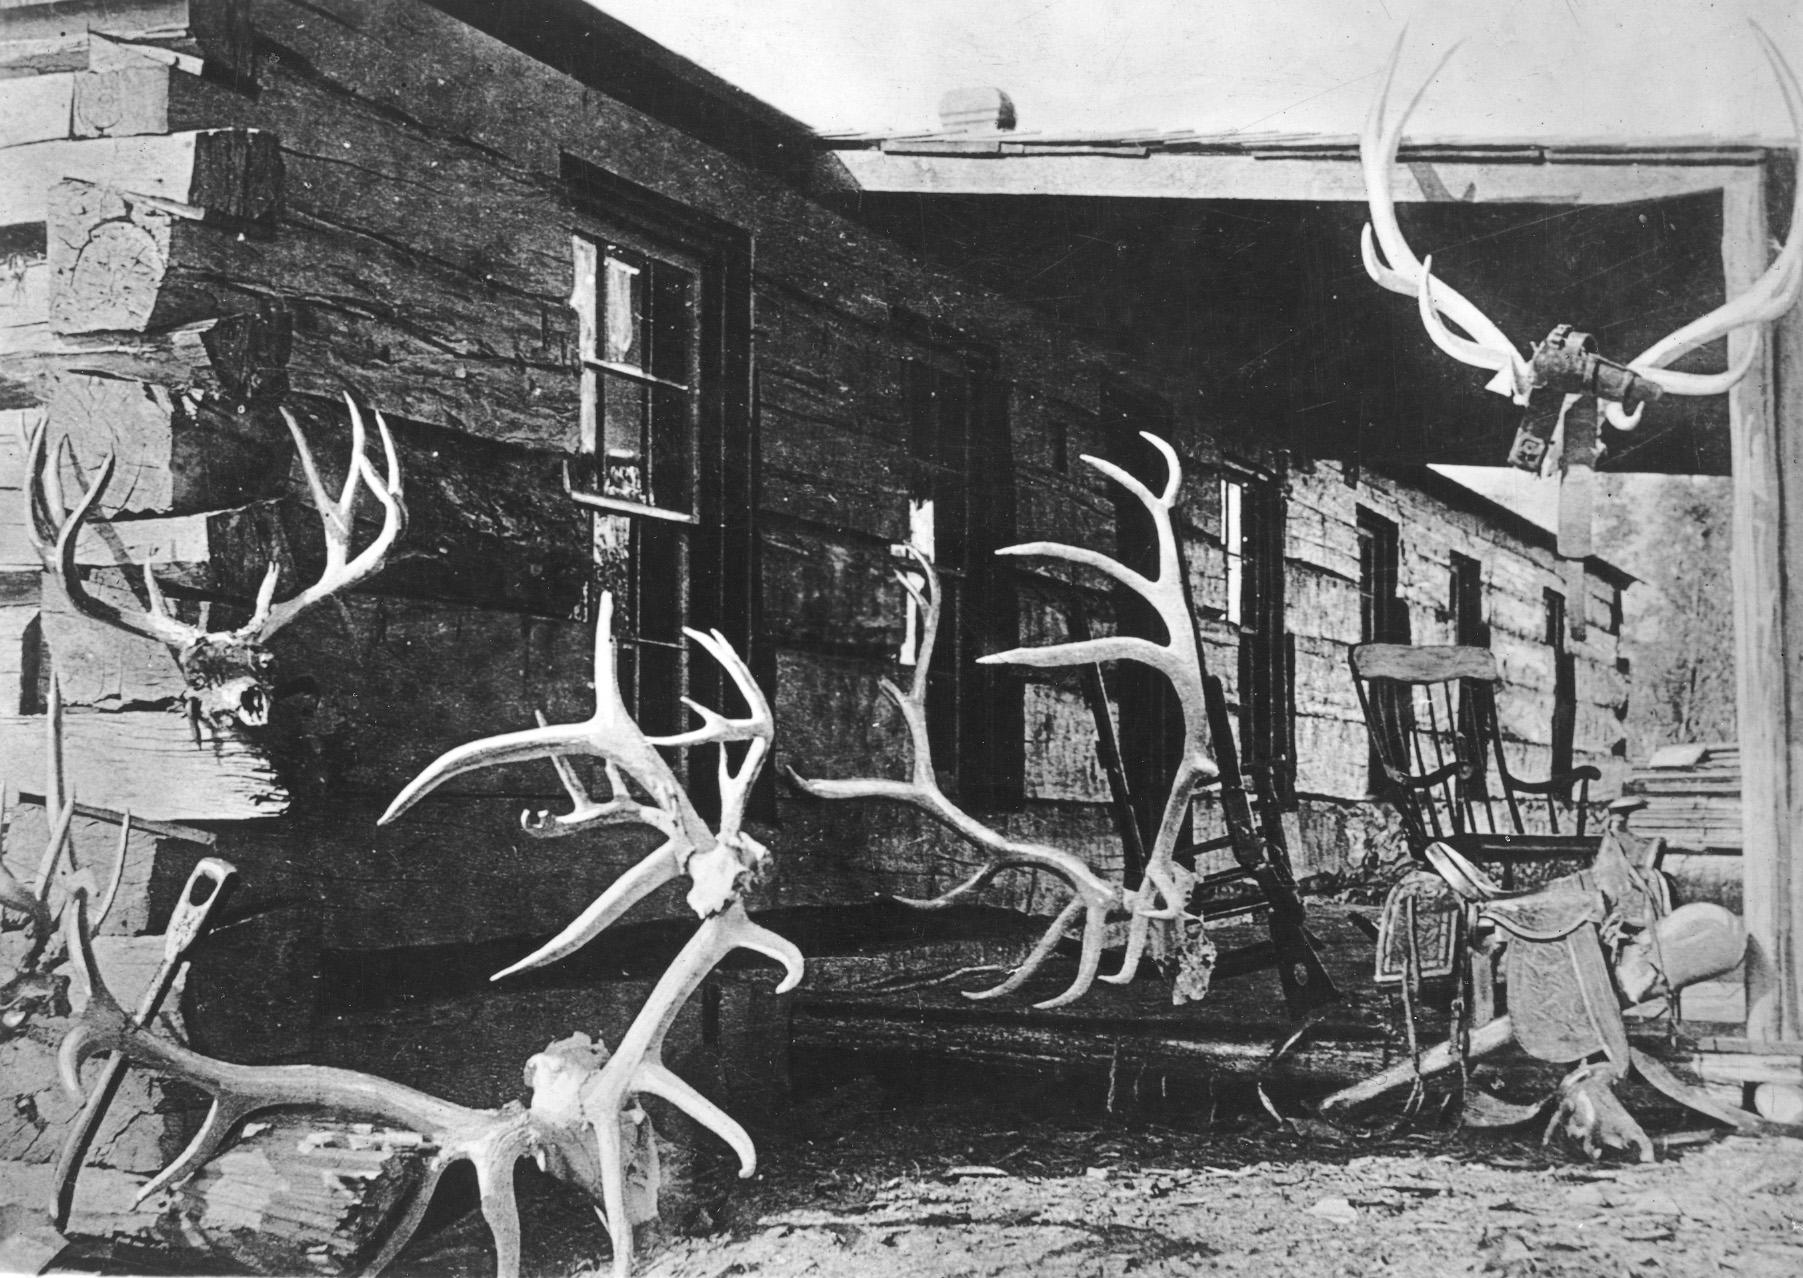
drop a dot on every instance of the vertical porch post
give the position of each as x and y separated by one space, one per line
1767 467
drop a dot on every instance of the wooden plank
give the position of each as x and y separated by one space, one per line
1245 177
147 761
1763 686
1424 663
230 172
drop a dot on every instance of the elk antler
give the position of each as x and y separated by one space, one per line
1769 297
1487 347
224 669
718 864
1091 896
1165 888
30 984
492 1139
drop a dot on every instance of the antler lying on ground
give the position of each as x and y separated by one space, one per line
1165 889
720 865
226 670
1093 897
492 1139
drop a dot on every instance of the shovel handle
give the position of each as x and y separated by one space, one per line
204 889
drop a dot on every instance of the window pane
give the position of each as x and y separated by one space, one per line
613 565
672 446
622 310
671 322
658 554
623 433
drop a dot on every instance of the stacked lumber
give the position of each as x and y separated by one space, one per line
1692 795
300 1195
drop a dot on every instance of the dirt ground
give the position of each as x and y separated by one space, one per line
1041 1182
943 1173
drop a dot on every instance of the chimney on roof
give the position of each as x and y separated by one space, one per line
976 111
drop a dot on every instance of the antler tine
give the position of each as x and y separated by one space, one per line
925 595
1165 889
758 727
637 1063
491 1139
621 808
607 734
1768 298
14 894
1096 897
44 502
1487 347
341 570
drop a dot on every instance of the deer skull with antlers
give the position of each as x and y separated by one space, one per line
1565 366
1163 893
227 672
719 864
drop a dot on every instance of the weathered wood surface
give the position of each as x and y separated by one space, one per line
300 1193
1124 1029
35 1111
148 762
233 173
1693 803
63 35
1766 694
399 682
1426 664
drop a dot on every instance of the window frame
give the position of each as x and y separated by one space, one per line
975 713
722 567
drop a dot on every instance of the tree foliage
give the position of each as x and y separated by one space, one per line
1673 533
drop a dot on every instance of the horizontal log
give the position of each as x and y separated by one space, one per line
487 523
171 456
823 1023
31 357
400 682
147 761
427 341
232 173
62 36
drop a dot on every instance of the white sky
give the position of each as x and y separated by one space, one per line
1622 68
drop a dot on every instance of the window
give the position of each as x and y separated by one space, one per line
1252 537
961 511
1233 547
1565 684
1466 603
1383 614
638 335
667 444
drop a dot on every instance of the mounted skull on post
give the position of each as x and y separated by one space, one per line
227 672
1565 381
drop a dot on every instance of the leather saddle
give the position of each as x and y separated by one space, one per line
1555 942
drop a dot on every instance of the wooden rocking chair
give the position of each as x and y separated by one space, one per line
1431 715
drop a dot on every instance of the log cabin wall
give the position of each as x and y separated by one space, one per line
216 208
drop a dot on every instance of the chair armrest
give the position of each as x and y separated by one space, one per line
1562 781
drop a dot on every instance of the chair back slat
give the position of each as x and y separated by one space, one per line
1431 714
